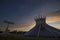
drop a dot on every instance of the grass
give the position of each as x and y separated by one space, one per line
15 37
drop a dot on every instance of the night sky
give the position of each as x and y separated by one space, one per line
22 13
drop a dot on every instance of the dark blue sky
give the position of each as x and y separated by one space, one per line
22 12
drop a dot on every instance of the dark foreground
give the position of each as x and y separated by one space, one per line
15 37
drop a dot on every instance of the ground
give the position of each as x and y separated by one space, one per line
15 37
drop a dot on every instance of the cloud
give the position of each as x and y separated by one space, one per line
55 24
54 13
25 28
53 19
